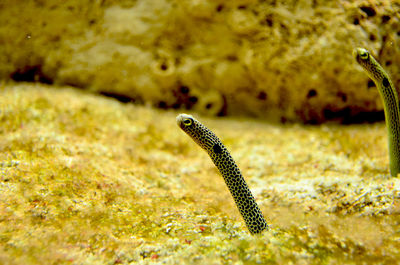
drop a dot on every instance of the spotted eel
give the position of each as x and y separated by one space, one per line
218 153
390 100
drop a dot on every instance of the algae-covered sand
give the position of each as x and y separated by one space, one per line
89 180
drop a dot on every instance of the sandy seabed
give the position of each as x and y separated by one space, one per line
89 180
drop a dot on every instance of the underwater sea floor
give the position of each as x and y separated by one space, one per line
89 180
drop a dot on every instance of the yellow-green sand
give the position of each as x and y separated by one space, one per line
89 180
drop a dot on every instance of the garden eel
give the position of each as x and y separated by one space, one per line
218 153
390 100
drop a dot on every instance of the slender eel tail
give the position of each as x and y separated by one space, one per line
390 99
218 153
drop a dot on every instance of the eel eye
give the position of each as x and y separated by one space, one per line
364 55
187 122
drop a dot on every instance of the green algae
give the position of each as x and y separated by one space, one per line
88 180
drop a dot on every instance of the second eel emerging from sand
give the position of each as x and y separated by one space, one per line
218 153
390 99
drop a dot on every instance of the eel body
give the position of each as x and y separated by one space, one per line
218 153
390 99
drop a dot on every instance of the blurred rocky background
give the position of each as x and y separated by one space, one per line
285 61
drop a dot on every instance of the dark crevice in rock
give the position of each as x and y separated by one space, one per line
351 116
119 97
370 11
31 74
312 93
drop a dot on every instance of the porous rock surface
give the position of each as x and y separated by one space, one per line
273 59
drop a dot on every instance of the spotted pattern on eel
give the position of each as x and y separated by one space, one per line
218 153
390 99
